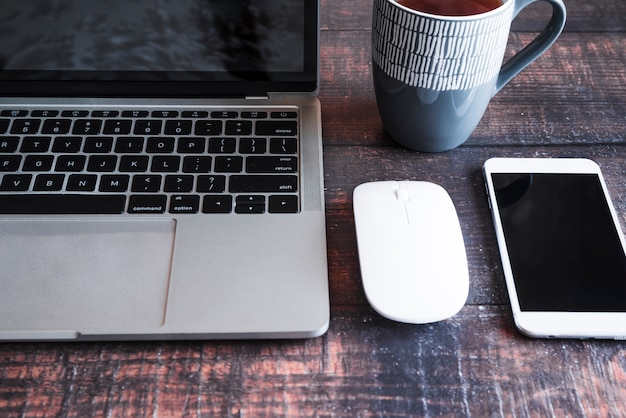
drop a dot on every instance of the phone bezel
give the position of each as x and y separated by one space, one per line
605 325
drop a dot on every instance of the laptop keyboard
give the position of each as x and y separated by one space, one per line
108 161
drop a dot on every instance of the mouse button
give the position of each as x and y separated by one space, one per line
434 206
375 196
422 215
376 188
402 194
379 216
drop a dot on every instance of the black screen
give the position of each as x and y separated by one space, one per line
183 41
564 249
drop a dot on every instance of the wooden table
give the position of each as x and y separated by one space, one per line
570 103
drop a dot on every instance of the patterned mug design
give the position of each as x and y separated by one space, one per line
435 75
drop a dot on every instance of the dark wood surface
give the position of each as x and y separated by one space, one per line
571 102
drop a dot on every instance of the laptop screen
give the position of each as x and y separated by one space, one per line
155 48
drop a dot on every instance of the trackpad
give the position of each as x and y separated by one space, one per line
84 275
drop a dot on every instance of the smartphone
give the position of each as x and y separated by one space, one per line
562 249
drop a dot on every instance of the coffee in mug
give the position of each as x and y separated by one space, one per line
452 7
434 74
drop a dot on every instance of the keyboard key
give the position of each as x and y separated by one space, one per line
178 184
277 128
14 113
38 163
15 182
98 144
211 184
271 164
263 183
4 125
238 127
81 183
147 204
56 126
195 114
225 115
9 143
134 164
49 182
165 164
87 127
254 115
70 163
229 164
25 126
217 204
117 126
222 145
178 127
105 113
252 145
185 204
146 183
75 113
197 164
283 204
10 163
129 144
250 204
135 114
41 204
191 145
283 146
67 144
45 113
284 115
160 144
165 114
102 163
148 127
36 144
208 127
114 183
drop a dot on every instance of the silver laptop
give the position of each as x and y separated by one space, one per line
161 170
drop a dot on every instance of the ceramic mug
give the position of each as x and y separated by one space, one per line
435 75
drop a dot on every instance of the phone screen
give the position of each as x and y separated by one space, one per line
564 248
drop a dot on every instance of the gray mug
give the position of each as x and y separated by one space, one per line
435 75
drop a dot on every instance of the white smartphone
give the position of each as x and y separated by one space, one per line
562 249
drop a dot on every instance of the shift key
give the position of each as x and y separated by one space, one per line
263 184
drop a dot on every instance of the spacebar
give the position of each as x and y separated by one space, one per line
57 204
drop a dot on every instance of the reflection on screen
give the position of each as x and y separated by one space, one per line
564 249
152 35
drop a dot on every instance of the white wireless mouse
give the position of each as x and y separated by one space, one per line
411 251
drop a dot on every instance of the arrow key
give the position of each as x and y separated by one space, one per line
283 204
217 204
250 204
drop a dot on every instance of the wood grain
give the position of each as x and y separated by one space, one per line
473 365
570 103
573 83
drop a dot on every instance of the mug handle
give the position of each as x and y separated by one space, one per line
538 46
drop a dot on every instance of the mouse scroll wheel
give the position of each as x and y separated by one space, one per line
402 195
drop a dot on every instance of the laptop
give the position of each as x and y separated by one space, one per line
161 171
